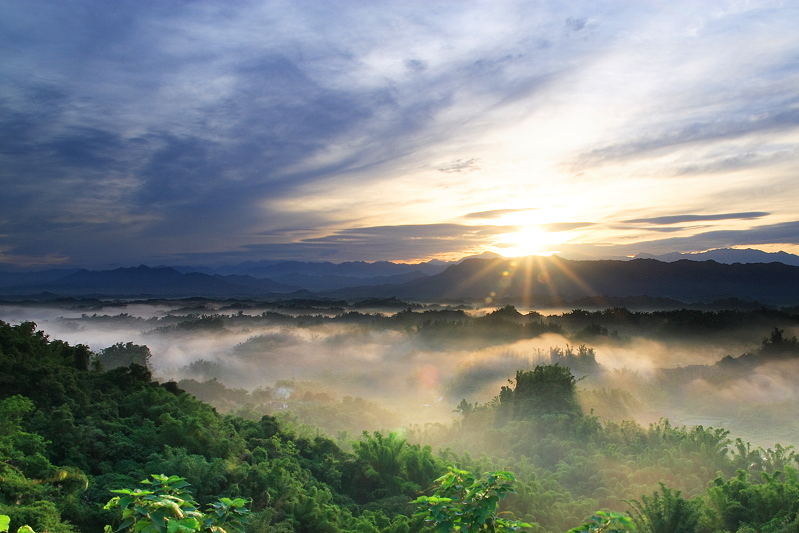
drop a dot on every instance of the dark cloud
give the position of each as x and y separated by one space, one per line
386 242
411 241
412 232
682 219
786 233
659 229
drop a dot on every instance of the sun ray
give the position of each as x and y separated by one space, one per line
473 279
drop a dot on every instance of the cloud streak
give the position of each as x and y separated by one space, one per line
681 219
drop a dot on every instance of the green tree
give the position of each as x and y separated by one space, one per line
666 512
545 390
467 504
606 522
167 507
389 466
125 355
772 504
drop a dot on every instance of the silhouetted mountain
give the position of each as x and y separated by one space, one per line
351 269
325 276
259 283
331 282
729 256
553 281
146 281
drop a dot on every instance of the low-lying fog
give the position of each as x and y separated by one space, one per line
384 368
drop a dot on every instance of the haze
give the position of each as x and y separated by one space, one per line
414 369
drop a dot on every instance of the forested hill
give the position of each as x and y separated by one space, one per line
553 280
70 432
540 281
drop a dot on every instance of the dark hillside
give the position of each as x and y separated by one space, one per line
554 280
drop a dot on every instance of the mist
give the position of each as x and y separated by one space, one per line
351 370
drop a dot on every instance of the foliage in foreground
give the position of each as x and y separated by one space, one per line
606 522
167 507
465 503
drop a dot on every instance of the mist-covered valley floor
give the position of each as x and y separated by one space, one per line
389 365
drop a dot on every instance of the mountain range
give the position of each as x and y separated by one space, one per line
728 256
540 281
555 281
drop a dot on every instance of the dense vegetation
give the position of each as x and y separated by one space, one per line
72 431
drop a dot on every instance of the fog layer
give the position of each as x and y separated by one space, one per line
413 366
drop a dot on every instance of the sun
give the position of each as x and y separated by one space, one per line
528 240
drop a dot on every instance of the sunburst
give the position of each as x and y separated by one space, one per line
526 241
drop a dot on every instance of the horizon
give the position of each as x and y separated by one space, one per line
670 257
214 134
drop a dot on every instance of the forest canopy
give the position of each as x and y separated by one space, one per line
73 429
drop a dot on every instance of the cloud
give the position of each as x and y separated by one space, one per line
576 24
195 104
659 229
412 240
135 134
681 219
460 165
784 116
565 226
495 213
786 233
31 261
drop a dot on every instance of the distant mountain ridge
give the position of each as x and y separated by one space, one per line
557 281
142 281
544 281
728 256
350 269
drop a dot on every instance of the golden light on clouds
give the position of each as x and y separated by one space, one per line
530 240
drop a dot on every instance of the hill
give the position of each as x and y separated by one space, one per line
553 281
141 281
729 256
536 280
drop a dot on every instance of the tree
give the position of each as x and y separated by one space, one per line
469 505
125 355
771 504
167 507
546 390
666 512
390 466
606 522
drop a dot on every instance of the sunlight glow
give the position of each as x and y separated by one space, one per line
529 240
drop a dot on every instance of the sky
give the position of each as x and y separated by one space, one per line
207 133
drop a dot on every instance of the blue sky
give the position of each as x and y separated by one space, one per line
211 132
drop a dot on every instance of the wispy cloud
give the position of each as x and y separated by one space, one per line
460 165
786 233
682 219
566 226
495 213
